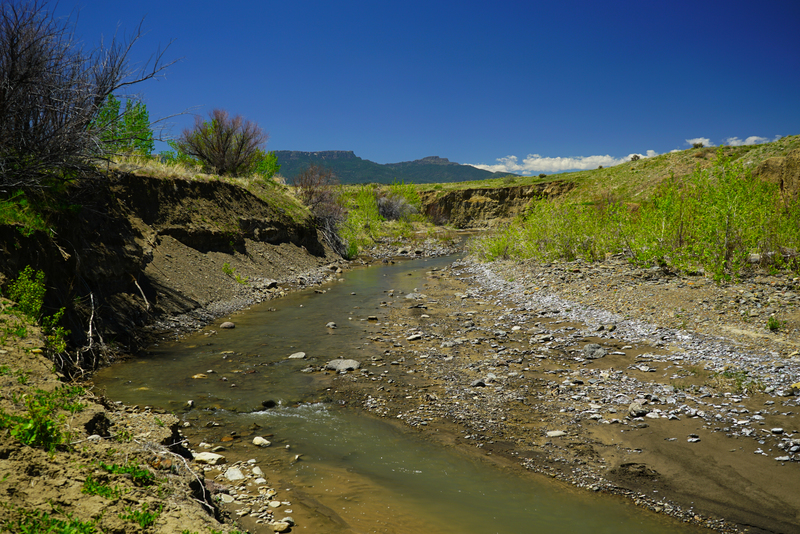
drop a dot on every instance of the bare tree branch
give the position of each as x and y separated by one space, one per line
50 92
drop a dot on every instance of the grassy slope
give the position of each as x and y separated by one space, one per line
272 192
633 181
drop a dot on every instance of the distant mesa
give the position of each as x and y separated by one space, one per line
351 169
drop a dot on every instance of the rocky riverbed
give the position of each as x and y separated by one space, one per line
663 387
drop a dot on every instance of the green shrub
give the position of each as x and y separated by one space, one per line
774 324
28 292
41 425
144 517
16 209
38 521
94 487
139 475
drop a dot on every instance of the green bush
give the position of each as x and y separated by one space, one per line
363 223
28 292
16 209
144 517
41 425
94 487
38 521
139 475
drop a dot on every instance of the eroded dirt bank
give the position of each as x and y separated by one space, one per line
661 387
129 251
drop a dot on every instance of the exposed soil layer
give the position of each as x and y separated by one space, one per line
59 483
662 387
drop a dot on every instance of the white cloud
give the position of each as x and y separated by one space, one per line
705 140
535 163
752 140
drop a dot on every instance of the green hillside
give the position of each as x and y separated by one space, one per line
350 169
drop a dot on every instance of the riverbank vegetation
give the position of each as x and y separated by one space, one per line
719 220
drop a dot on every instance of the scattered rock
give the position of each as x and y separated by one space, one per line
280 526
331 325
340 365
227 325
234 474
637 409
593 351
209 458
258 441
297 356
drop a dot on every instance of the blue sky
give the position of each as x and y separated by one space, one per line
527 87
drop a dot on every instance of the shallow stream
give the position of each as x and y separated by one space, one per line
357 473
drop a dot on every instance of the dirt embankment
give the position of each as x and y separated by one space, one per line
130 251
130 258
486 207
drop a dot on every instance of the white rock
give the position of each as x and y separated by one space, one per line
258 441
227 499
556 434
234 473
342 365
260 480
258 472
209 458
297 356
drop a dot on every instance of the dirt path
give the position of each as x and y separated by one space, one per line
667 389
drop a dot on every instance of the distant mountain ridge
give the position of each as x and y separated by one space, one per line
351 169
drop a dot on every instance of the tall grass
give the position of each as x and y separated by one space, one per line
377 212
363 224
719 220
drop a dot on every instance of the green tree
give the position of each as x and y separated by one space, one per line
266 164
125 131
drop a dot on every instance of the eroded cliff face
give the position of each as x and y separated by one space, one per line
784 171
484 207
134 249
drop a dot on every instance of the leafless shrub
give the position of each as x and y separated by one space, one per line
395 207
318 189
50 91
223 144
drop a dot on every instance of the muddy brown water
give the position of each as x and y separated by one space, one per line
357 473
